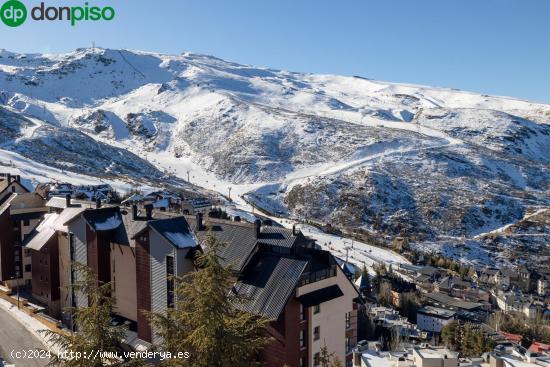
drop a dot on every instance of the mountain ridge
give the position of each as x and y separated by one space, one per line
388 157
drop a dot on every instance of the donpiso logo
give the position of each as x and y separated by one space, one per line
14 13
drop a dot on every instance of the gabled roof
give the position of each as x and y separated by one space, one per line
131 225
67 216
239 239
104 219
279 236
4 184
176 231
40 236
133 199
6 203
268 283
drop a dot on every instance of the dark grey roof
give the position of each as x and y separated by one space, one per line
239 240
428 270
446 300
321 295
176 231
40 236
97 218
267 284
131 226
278 236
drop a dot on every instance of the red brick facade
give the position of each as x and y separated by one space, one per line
8 239
45 271
285 347
99 254
143 281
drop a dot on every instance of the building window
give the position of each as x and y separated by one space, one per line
316 309
348 320
13 189
316 360
26 223
302 362
302 338
317 333
170 281
348 345
28 268
303 314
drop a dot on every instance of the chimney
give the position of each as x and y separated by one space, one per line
258 227
68 200
98 203
8 177
17 178
237 218
134 212
294 230
149 211
199 221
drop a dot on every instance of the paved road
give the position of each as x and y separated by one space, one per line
14 336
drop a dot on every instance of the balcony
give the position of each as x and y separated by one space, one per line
313 277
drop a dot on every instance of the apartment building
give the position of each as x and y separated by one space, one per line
112 242
279 272
433 319
20 212
301 289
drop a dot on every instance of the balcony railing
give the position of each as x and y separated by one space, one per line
317 276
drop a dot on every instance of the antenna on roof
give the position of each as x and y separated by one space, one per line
93 44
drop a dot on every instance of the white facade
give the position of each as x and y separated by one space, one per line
433 319
331 318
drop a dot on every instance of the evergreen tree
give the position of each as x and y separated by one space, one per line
94 329
205 321
365 286
327 359
450 335
409 304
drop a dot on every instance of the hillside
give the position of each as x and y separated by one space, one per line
391 158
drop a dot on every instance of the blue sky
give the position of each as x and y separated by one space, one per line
498 47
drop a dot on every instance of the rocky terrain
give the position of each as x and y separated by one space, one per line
395 159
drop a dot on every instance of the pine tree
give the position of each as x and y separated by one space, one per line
327 359
450 335
365 286
205 321
94 329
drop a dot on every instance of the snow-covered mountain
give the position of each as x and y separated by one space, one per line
388 157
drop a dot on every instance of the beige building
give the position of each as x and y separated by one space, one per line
332 322
416 357
434 357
